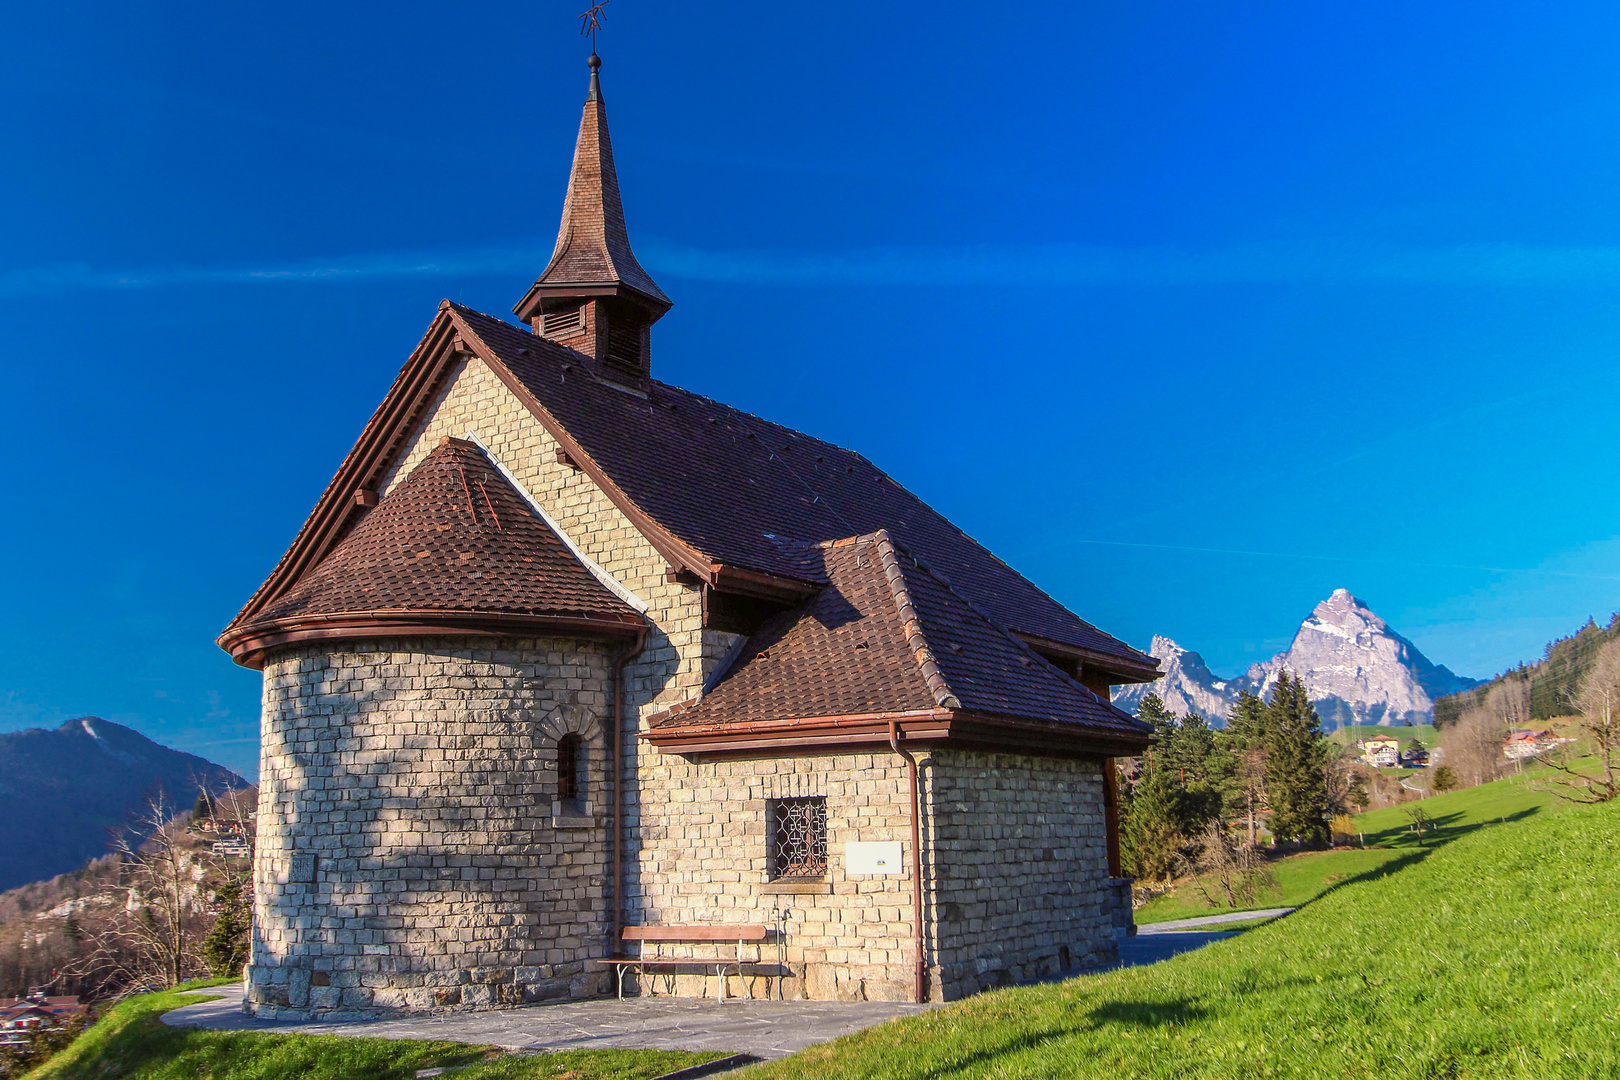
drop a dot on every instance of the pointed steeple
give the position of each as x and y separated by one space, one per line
592 271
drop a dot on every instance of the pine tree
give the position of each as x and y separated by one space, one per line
225 949
1243 742
1296 760
1173 798
1163 721
1153 826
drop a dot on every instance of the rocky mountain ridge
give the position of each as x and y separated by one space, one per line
1357 670
64 791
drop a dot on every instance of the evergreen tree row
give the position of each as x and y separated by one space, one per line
1268 769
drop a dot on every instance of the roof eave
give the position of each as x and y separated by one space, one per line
527 308
249 643
955 729
1128 668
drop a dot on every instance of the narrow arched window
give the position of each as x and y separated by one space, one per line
570 770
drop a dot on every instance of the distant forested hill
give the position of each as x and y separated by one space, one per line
63 792
1553 679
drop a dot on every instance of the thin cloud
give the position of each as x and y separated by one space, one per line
1090 264
74 277
973 265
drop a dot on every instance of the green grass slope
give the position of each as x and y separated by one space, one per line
1491 953
132 1042
1388 832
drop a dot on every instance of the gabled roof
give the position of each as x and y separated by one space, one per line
712 487
889 636
453 549
593 244
725 482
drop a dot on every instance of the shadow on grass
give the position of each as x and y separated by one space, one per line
1442 829
1132 1013
1438 834
1147 1013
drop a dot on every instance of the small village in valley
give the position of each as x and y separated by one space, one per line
603 728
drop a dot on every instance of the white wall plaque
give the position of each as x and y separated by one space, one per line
873 857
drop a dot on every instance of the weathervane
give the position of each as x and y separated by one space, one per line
591 22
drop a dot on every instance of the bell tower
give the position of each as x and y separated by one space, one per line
593 296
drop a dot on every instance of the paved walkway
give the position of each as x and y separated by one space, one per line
764 1029
1213 920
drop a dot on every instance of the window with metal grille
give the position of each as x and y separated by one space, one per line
570 770
798 837
558 323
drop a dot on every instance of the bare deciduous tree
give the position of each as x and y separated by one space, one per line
1473 745
1346 783
1225 872
153 942
1509 702
1599 703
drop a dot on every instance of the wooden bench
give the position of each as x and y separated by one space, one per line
743 935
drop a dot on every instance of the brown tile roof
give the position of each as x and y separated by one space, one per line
890 635
454 539
727 483
593 245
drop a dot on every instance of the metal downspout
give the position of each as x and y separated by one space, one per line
916 865
616 753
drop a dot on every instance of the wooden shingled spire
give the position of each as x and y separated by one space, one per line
594 296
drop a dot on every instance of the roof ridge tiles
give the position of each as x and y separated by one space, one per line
911 623
1018 643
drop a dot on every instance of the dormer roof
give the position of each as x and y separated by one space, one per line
890 637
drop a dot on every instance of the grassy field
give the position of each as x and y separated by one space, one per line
1302 878
131 1043
1489 952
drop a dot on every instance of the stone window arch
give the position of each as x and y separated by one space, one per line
574 735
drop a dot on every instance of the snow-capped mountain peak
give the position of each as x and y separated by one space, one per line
1357 670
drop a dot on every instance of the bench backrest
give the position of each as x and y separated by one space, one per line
695 933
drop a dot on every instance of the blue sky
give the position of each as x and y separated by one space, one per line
1191 312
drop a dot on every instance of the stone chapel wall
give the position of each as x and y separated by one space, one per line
408 855
1021 869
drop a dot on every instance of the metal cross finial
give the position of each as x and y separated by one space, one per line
591 21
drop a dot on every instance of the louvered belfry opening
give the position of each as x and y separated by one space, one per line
565 321
626 352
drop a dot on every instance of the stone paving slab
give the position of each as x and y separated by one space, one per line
764 1029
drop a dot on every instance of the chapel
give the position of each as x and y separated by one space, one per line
570 667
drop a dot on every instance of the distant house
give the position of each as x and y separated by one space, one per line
231 847
1525 743
1381 751
20 1015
